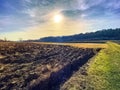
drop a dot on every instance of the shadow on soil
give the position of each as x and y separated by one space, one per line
58 78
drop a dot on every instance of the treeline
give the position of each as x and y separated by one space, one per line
106 34
3 40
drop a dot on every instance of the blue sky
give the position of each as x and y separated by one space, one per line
33 19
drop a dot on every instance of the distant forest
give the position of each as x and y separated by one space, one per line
106 34
101 35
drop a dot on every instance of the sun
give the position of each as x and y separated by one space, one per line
57 18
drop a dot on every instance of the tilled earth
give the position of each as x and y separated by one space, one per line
30 66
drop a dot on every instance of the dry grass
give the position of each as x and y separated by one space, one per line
80 45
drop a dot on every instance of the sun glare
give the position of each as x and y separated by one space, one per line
57 18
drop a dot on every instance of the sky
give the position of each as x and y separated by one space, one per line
34 19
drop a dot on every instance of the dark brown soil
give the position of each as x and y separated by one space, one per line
28 66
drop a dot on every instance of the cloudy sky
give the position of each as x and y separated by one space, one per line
33 19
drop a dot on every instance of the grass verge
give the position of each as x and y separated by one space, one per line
102 72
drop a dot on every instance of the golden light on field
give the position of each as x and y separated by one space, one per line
58 18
